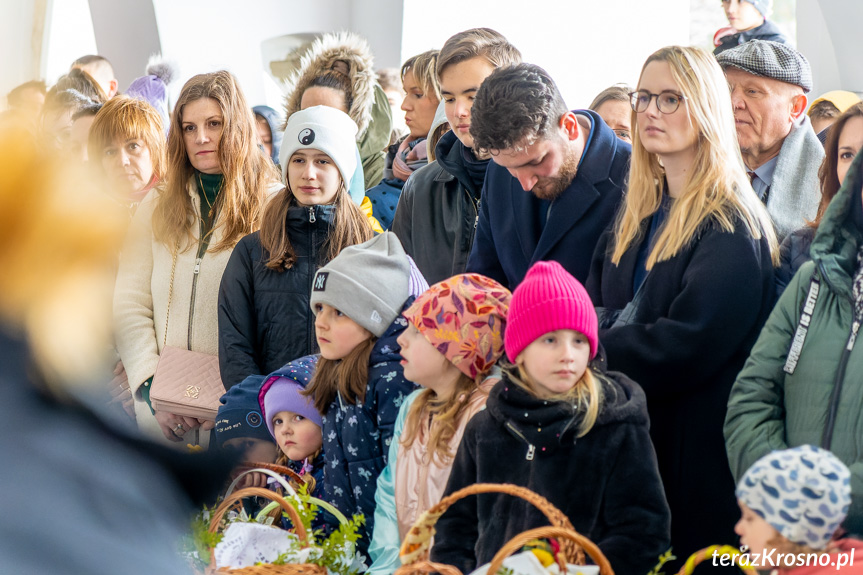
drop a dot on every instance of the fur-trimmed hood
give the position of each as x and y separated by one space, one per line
320 57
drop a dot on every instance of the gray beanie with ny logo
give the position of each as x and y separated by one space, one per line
368 282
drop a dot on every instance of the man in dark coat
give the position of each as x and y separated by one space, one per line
555 181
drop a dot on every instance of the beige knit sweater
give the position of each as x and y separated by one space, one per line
141 301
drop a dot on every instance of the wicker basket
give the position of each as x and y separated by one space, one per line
519 541
415 548
699 556
265 569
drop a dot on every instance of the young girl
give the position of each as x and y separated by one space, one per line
240 426
264 318
792 504
560 425
454 339
294 422
358 385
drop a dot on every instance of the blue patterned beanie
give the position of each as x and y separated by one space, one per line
804 493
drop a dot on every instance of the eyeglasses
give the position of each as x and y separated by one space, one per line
667 101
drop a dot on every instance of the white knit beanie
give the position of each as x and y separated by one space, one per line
326 129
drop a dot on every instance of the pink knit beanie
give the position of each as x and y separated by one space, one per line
548 299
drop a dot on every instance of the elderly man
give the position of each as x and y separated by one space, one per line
769 82
555 180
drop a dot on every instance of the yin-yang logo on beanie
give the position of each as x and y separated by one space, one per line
306 136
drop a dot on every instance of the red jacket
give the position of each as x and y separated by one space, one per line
848 551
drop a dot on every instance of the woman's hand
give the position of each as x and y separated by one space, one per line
175 426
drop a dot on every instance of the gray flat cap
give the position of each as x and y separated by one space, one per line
771 60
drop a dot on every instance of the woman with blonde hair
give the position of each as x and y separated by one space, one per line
684 281
127 141
410 153
216 182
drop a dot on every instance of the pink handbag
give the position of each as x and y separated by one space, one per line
186 382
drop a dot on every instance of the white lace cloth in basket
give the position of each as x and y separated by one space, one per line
245 544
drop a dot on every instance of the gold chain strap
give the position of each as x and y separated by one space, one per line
170 294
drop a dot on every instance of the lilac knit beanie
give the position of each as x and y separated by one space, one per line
548 299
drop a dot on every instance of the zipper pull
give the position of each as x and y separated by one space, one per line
475 223
312 218
531 450
197 265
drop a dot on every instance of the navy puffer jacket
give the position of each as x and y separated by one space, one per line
357 436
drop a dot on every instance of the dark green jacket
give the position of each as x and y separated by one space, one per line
770 409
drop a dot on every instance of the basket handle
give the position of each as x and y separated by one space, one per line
519 540
280 469
417 542
699 556
281 480
260 492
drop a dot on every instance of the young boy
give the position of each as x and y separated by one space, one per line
439 205
240 426
793 503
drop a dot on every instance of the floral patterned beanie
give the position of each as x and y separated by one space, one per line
464 318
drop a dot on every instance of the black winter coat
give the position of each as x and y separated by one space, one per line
437 213
606 482
357 436
508 237
793 253
699 315
264 316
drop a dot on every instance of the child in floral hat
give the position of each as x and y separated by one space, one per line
454 338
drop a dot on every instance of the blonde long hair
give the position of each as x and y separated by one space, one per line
247 171
717 189
445 416
587 394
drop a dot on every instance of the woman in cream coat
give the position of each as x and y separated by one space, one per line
182 235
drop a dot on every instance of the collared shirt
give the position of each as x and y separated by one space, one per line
763 178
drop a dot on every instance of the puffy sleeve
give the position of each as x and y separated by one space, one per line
384 547
237 318
755 421
457 529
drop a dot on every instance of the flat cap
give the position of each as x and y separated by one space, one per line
771 60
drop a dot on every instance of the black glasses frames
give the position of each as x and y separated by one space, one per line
667 101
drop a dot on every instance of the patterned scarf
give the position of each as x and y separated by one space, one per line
410 157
